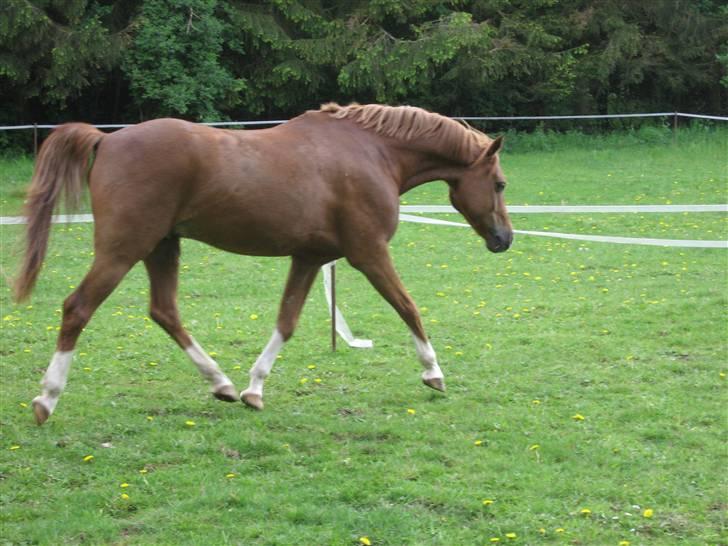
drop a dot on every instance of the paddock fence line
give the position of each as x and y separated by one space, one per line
254 123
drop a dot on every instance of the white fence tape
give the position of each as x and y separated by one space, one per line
683 243
562 209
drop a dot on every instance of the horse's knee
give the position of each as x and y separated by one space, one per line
166 320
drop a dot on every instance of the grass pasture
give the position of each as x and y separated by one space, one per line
586 383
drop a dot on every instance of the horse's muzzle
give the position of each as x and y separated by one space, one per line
499 240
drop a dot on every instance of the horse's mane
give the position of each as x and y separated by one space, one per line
410 123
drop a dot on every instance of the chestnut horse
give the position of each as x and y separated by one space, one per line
322 186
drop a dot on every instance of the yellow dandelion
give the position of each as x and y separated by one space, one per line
253 317
478 442
534 447
585 512
311 366
536 402
560 530
23 405
143 471
411 411
365 541
88 458
578 417
488 502
511 535
230 475
190 423
150 418
648 513
495 540
624 543
13 448
542 531
125 496
124 485
303 380
317 380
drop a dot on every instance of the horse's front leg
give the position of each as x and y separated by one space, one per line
376 264
300 278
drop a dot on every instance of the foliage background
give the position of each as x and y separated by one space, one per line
129 60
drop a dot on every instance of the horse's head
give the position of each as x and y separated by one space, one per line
477 194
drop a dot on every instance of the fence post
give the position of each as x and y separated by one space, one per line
35 139
674 127
333 307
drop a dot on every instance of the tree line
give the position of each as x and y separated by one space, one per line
209 60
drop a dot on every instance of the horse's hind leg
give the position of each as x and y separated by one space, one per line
104 276
298 285
163 265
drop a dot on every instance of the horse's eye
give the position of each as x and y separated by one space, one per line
500 186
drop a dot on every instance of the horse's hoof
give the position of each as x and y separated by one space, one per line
226 393
436 383
41 412
254 401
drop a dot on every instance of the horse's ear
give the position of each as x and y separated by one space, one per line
494 147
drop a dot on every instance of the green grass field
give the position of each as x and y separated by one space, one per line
586 383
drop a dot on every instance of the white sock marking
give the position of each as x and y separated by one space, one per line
261 368
54 380
428 358
207 366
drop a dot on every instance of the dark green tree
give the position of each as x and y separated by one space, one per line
173 61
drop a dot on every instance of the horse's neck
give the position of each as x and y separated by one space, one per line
421 167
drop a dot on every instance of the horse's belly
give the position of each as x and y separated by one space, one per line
258 238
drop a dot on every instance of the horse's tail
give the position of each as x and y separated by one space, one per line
61 168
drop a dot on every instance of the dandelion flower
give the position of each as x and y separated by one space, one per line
648 513
578 417
143 471
13 448
125 496
124 485
253 317
585 512
494 540
624 543
560 530
230 475
365 541
411 411
304 380
190 423
311 366
511 535
88 458
534 447
478 442
488 502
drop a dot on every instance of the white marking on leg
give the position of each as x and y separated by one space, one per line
261 368
54 380
428 358
207 366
